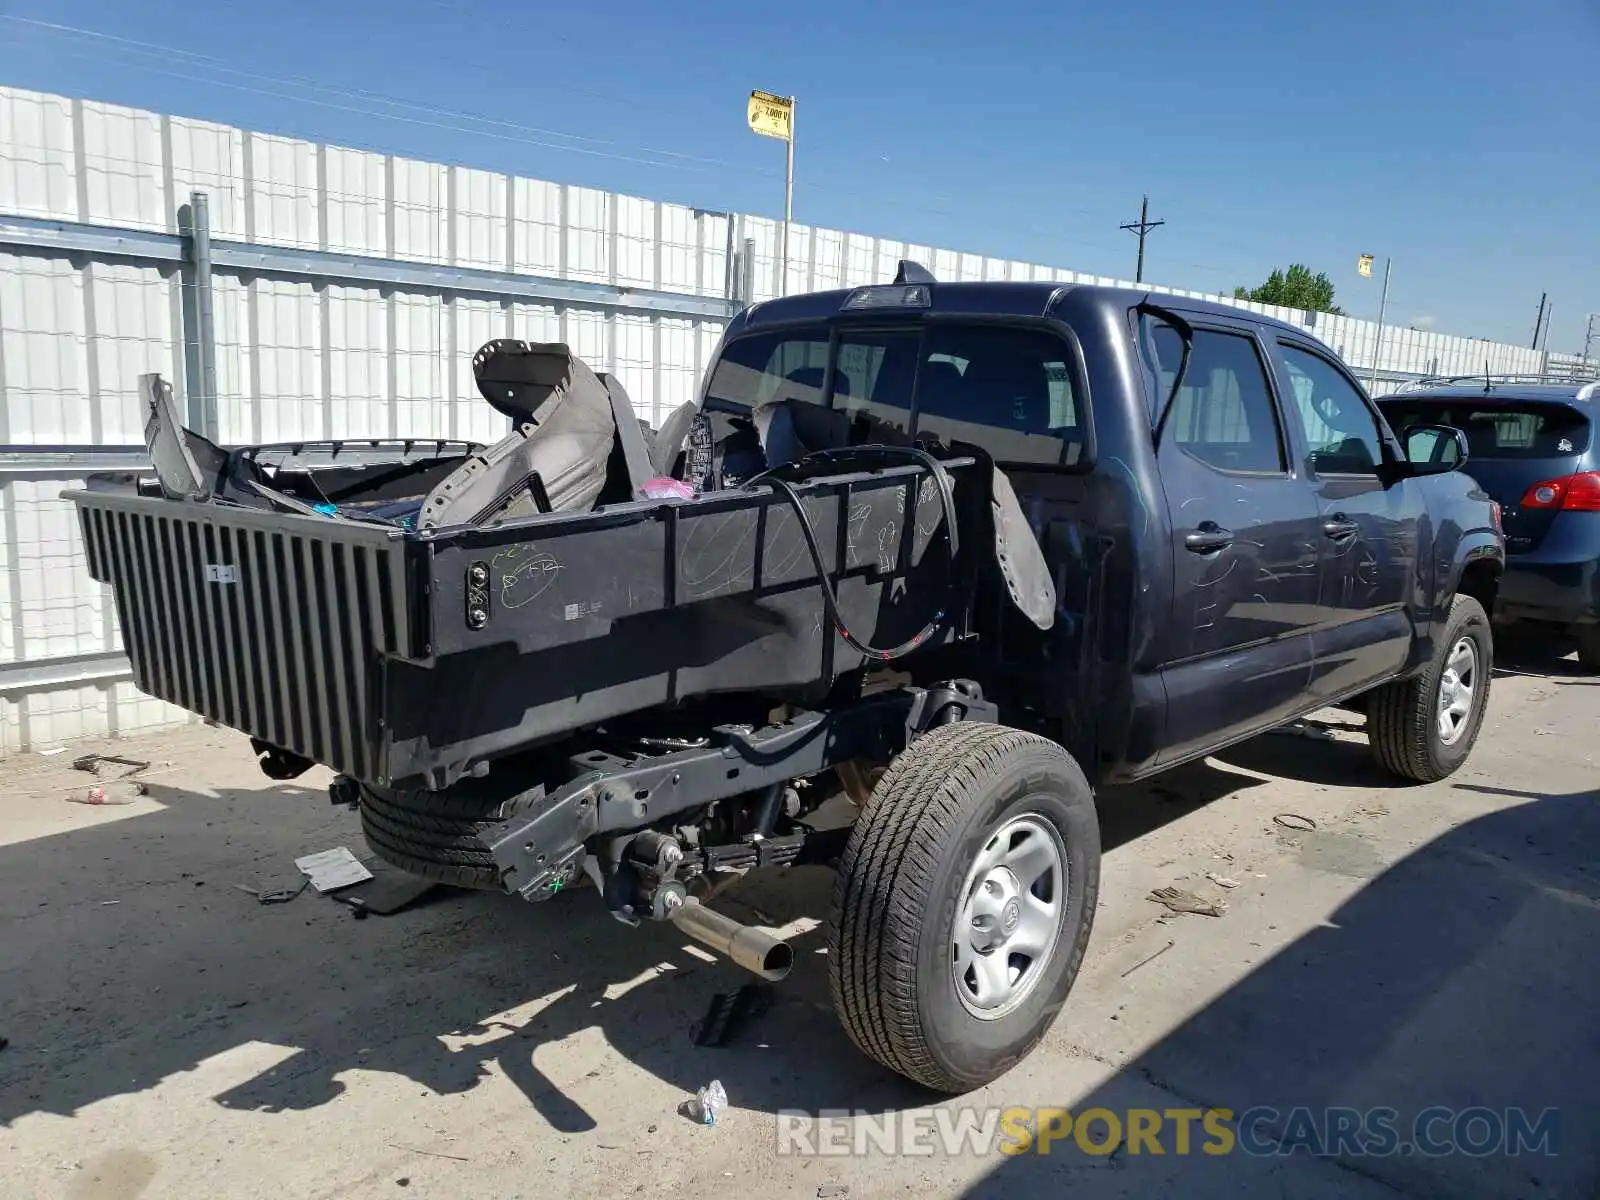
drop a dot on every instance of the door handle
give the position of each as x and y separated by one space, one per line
1339 527
1208 539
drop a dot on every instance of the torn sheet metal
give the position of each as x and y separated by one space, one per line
1017 554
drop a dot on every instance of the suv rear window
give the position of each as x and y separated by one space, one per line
1499 429
1004 388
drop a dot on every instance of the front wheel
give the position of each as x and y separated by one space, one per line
1423 728
963 904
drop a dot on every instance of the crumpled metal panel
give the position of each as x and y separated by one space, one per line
1017 554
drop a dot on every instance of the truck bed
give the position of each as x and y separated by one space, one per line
394 655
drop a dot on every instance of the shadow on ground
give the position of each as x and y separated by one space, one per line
1544 654
131 955
1462 976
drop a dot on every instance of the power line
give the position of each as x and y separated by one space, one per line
1142 227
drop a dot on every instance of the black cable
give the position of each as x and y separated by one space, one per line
830 598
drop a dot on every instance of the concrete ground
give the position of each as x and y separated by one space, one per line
169 1037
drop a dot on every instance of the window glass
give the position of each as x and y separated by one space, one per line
1222 413
1339 427
1496 429
871 374
1007 390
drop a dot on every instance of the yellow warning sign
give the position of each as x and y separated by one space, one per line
771 116
1364 265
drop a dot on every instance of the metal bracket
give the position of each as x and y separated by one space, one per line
534 847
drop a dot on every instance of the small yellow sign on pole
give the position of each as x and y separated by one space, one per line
771 116
1365 265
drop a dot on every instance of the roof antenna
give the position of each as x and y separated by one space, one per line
1488 380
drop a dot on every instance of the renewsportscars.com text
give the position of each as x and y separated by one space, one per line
1260 1131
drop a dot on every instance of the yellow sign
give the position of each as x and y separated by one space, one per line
1365 265
771 116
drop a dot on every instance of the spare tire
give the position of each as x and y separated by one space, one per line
436 835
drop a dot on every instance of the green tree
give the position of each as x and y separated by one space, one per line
1295 288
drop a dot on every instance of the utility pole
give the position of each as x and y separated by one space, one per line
1383 308
1589 333
1142 227
1538 321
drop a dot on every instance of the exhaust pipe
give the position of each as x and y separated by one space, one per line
753 949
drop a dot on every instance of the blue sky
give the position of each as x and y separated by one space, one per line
1462 138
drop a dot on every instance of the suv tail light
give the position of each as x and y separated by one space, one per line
1574 493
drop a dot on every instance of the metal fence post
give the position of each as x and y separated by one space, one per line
747 273
199 326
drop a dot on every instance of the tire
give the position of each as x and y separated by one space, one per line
434 834
904 878
1589 647
1403 716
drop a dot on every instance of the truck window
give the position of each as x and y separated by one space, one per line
1339 427
872 373
1007 390
1223 413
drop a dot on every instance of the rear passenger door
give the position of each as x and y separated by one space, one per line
1236 649
1368 532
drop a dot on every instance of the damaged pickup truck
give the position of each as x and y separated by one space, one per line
941 556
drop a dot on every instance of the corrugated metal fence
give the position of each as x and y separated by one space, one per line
347 292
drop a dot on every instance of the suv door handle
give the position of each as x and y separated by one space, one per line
1339 527
1208 539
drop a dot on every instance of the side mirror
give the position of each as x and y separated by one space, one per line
1435 449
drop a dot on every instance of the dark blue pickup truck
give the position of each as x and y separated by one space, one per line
946 554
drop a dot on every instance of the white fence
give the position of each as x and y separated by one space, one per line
311 340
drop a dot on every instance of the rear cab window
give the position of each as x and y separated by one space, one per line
1008 389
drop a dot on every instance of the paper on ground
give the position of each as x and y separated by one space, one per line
332 869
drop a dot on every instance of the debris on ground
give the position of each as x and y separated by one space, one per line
1305 729
109 766
832 1191
730 1011
1295 822
274 895
119 786
1147 959
1179 901
1221 880
122 792
332 869
702 1107
385 893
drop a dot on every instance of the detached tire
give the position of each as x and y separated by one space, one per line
434 834
963 904
1423 728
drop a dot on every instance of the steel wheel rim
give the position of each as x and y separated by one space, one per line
1008 920
1458 688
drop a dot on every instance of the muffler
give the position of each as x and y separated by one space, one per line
753 949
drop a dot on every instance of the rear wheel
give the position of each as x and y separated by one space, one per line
1423 728
963 904
434 834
